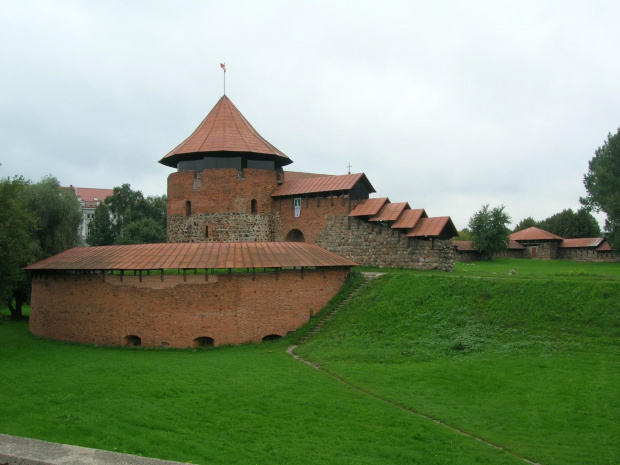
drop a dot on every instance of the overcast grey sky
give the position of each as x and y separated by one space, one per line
447 105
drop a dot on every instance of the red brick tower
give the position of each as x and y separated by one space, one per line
226 172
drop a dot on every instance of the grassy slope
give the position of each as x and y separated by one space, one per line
538 374
236 405
533 365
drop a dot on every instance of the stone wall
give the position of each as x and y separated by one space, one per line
588 255
223 227
235 309
372 244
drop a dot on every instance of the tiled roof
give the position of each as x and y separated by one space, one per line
390 212
583 242
409 218
193 256
295 175
224 129
604 247
321 184
433 227
369 207
464 246
534 234
89 194
514 245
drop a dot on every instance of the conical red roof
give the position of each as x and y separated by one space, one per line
224 129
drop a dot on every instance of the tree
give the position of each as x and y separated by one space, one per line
101 229
569 225
127 217
49 217
489 229
16 235
525 223
602 181
464 235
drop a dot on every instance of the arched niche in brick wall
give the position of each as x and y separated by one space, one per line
295 235
132 341
271 337
203 341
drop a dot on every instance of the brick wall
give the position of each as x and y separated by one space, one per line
221 211
231 310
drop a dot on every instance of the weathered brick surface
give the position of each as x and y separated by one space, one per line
231 310
221 211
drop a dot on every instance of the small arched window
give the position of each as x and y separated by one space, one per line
254 206
188 208
206 231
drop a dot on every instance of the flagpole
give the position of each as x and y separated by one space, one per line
223 66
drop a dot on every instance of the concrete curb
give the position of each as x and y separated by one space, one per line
23 451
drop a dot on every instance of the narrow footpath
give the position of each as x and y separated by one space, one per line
291 351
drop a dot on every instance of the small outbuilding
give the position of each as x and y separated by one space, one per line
182 294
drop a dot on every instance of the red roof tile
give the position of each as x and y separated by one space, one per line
390 212
345 182
295 175
369 207
409 218
433 227
583 242
193 256
464 246
224 129
534 234
604 247
514 245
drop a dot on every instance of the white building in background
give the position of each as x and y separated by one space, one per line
89 198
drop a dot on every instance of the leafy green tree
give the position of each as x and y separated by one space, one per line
489 228
464 235
568 224
101 230
52 216
602 181
525 223
143 231
58 213
16 236
127 217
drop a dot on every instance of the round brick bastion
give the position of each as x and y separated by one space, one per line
182 295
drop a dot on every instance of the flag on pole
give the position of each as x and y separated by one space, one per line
223 65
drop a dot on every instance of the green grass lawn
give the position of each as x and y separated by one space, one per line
530 363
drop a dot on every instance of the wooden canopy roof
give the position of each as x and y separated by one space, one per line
195 255
224 129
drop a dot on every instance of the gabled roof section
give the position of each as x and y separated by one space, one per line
224 129
321 184
433 227
195 255
534 234
409 218
390 212
604 247
583 242
369 207
295 175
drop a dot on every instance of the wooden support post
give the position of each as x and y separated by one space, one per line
162 275
122 274
140 275
184 275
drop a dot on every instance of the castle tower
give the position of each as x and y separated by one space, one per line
226 172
